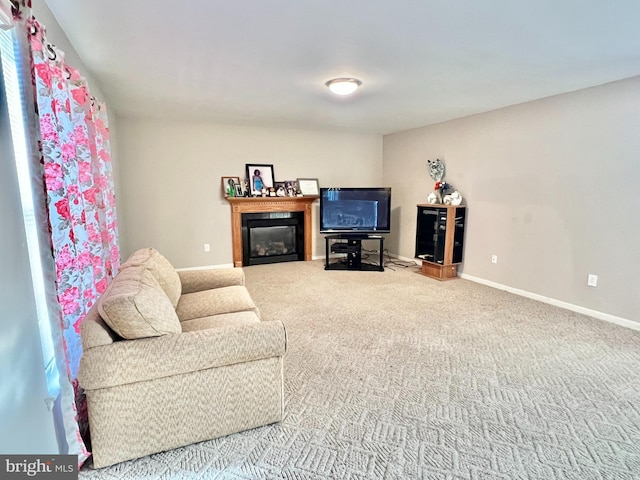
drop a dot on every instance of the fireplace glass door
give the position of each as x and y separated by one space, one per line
272 238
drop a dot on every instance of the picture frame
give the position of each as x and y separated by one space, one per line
229 186
309 187
239 191
260 176
280 189
291 187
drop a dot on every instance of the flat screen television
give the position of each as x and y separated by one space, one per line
355 211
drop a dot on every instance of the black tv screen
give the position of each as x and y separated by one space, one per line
358 211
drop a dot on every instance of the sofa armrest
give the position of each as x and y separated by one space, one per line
199 280
129 361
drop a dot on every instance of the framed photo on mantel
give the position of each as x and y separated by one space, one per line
260 178
309 186
229 186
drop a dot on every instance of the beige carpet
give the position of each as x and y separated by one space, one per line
396 376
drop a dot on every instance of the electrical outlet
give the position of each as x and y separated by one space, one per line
592 280
207 247
494 258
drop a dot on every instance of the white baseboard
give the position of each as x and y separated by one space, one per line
557 303
623 322
205 267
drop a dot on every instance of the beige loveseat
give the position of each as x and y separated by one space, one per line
172 358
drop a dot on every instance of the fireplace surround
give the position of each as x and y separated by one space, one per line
287 206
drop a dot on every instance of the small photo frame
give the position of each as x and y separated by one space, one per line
260 177
239 192
280 189
291 188
309 186
229 186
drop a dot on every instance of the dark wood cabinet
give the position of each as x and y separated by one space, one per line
440 239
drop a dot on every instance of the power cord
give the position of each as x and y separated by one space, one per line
397 263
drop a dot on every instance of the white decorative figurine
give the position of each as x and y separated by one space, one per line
455 198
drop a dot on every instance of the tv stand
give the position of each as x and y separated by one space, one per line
351 246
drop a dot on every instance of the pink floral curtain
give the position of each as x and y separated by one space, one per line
79 185
76 189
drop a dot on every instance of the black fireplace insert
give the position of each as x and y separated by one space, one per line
272 237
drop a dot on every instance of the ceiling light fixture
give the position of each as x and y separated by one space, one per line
343 86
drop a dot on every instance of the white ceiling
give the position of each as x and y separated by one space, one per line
265 62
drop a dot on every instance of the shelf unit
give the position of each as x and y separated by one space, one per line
351 248
440 239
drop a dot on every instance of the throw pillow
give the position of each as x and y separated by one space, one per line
135 306
161 268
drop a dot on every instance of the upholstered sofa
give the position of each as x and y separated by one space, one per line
176 357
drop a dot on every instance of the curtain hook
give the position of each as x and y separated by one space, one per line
52 52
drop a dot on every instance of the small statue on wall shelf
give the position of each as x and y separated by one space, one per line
454 198
443 192
436 169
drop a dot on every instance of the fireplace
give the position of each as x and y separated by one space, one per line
272 237
298 208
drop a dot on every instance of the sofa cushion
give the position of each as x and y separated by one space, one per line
135 306
161 269
208 278
95 332
214 302
234 319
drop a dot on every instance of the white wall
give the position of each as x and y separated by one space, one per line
551 188
171 179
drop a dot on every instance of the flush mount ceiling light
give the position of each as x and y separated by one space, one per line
343 86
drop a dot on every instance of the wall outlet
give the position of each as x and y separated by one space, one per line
494 258
592 280
207 247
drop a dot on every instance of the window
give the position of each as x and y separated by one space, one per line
12 75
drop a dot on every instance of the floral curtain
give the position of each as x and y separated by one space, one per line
72 180
78 180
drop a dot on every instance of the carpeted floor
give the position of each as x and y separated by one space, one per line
394 375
